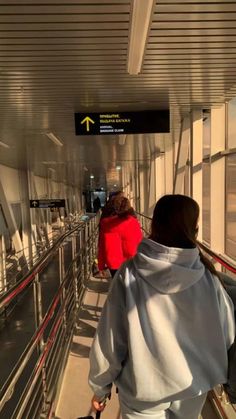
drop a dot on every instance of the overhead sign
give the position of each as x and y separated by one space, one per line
47 203
111 123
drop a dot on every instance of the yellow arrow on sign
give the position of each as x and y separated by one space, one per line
87 120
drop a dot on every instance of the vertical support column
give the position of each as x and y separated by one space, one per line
160 175
137 187
43 221
182 156
196 169
33 227
26 215
50 194
152 186
168 169
218 178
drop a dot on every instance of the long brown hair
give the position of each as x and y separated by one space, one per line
119 205
174 224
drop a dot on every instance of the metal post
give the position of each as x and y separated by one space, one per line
3 273
38 312
85 253
90 249
61 277
74 269
96 221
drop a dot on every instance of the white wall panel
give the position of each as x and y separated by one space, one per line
10 182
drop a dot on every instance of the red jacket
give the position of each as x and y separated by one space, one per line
118 241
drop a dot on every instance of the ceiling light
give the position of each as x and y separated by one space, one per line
91 176
122 139
53 138
4 145
140 24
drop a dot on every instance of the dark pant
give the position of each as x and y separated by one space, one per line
113 272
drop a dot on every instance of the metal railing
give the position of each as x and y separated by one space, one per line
14 265
223 408
31 385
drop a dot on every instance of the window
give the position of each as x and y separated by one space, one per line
5 232
230 184
231 137
206 178
230 245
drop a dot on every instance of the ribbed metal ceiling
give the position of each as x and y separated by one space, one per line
59 57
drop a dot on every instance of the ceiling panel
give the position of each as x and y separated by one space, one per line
59 57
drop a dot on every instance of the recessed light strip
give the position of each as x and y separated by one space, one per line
122 139
4 145
142 11
54 139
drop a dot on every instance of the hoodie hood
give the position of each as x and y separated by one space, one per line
168 269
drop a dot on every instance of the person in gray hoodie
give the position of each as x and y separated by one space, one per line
167 323
230 386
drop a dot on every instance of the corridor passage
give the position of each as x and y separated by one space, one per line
75 394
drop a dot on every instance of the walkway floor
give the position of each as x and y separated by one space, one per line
75 396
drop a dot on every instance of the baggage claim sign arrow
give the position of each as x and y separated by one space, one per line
87 120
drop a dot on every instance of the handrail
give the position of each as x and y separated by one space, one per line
218 258
19 366
144 216
63 305
16 289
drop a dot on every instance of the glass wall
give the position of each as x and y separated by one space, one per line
231 206
231 137
4 231
206 178
230 185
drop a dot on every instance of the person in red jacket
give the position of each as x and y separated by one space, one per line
119 235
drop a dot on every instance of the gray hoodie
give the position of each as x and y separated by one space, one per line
165 328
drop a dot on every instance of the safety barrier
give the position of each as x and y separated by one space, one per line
15 264
31 387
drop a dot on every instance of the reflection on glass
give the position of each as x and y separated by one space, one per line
231 206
